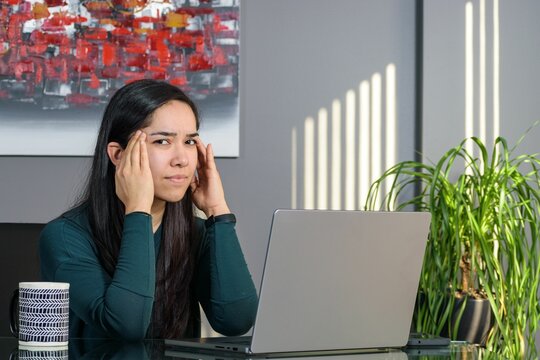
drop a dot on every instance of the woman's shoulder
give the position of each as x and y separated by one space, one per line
66 239
76 218
69 230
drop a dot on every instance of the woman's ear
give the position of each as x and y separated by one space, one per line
115 151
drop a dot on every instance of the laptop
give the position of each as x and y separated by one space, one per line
333 281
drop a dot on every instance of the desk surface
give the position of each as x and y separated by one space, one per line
156 350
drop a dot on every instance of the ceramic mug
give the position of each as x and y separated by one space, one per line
40 354
39 314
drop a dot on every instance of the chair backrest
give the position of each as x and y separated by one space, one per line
19 261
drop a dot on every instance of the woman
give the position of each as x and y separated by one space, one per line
137 259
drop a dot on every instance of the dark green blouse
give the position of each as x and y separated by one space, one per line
121 306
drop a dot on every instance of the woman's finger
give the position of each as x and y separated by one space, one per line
136 155
210 163
145 164
129 149
201 153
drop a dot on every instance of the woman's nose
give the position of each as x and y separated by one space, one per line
180 158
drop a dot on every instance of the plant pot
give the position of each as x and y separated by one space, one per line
476 321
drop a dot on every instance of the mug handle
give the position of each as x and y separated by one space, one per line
14 313
14 355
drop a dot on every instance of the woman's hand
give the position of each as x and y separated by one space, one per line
206 185
133 178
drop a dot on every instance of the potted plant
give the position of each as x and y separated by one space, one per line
483 244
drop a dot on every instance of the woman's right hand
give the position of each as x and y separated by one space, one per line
133 178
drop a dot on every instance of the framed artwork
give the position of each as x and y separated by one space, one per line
61 61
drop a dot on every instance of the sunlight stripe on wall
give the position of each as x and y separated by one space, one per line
364 176
322 160
309 163
350 144
391 122
336 155
376 132
482 72
469 65
294 166
496 93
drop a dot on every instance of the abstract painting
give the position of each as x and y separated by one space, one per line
61 61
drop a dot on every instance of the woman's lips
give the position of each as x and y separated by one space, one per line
177 179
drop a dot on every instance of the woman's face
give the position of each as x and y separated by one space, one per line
172 151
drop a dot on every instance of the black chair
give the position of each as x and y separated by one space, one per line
19 261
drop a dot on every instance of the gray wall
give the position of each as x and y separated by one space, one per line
444 73
297 56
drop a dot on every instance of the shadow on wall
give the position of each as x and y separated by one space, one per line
19 261
333 165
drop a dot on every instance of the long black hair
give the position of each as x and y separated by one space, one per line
130 109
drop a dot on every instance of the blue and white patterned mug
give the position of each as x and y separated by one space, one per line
40 353
39 314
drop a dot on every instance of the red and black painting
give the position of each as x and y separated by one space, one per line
58 57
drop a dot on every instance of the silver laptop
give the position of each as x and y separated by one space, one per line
334 281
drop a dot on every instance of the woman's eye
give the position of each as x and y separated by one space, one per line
162 142
191 142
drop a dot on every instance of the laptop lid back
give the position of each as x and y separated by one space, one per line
339 280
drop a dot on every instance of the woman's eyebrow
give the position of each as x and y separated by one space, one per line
163 133
172 133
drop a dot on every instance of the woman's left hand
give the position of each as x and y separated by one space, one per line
206 187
